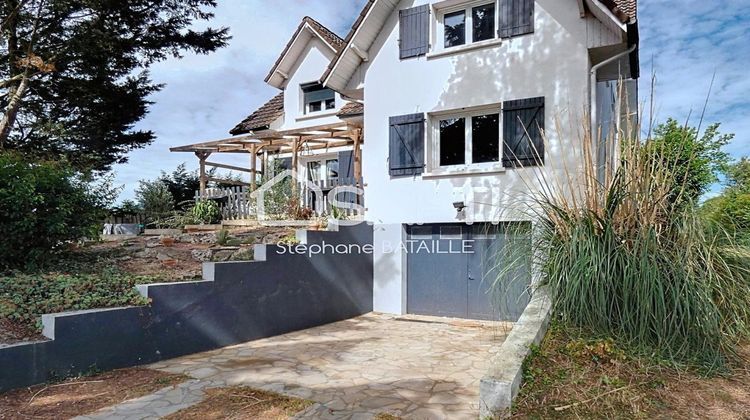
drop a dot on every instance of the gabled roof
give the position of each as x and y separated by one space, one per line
326 35
625 10
263 117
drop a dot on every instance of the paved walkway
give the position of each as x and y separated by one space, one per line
415 368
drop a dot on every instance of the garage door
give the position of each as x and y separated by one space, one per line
456 270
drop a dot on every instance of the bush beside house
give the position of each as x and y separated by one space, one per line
45 205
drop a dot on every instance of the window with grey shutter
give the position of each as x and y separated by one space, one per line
406 145
516 18
523 124
414 30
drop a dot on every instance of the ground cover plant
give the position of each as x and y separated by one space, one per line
75 280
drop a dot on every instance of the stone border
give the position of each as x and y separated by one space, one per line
162 232
503 381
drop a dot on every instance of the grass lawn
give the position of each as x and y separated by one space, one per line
573 377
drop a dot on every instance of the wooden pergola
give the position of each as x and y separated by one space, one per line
264 143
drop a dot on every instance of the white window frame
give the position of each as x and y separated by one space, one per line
306 113
451 6
433 142
323 169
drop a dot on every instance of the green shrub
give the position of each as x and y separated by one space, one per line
155 200
44 205
206 212
25 297
222 237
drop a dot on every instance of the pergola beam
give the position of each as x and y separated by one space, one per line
328 132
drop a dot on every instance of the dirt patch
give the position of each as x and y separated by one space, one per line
242 403
13 332
572 377
85 395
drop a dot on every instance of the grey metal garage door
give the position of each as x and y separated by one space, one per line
456 270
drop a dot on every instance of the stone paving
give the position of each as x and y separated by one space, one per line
414 368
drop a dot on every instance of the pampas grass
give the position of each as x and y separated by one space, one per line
621 257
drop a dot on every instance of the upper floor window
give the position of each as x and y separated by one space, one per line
471 23
450 26
317 98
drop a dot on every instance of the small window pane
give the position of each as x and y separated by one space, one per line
421 232
453 141
483 22
455 29
485 135
313 171
330 103
332 168
450 232
314 107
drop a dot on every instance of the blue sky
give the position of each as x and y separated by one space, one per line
684 43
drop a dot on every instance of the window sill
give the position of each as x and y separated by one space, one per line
462 171
318 114
464 48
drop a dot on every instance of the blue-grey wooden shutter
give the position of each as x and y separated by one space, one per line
346 167
523 124
414 31
516 18
406 145
346 175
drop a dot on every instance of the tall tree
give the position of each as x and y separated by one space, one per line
73 73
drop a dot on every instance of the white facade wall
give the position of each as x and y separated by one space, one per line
308 68
552 62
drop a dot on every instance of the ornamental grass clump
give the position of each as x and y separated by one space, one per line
624 253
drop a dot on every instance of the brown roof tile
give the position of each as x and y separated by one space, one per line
262 117
330 37
351 109
626 10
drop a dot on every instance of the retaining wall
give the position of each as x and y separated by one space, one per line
237 302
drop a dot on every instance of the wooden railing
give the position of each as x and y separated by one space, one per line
236 203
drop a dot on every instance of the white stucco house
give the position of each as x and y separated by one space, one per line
446 112
456 95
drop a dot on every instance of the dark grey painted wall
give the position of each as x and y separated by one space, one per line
246 301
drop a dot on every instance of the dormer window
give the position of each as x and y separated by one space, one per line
317 98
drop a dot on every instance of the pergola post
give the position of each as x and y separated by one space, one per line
295 161
358 158
264 165
253 167
202 156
